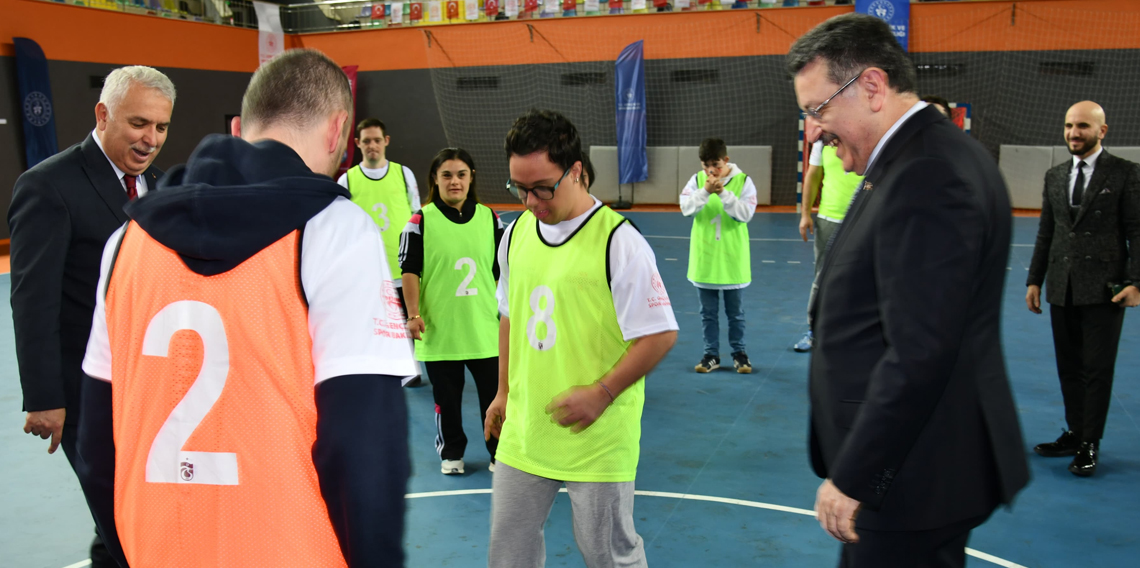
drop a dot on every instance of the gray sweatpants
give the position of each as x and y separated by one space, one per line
603 521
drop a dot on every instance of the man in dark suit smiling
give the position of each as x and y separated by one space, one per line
63 210
1090 210
913 423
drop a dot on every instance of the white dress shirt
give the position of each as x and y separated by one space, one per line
1090 165
140 181
891 132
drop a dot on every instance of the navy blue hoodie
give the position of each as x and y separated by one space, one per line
230 201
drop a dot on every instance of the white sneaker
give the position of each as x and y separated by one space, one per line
452 467
491 468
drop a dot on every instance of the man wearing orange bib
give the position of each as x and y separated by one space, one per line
243 395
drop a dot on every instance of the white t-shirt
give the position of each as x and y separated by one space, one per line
641 310
345 280
379 173
816 157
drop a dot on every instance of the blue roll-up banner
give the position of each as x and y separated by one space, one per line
896 13
629 82
35 100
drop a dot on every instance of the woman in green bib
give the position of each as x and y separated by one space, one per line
447 254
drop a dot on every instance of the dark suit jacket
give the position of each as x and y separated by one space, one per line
1088 251
912 412
63 210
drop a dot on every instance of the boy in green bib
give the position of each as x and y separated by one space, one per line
585 316
721 199
447 254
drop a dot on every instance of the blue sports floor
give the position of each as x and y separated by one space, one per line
737 439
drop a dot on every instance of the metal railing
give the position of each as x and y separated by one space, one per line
337 15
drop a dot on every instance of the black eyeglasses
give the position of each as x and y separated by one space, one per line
543 193
814 112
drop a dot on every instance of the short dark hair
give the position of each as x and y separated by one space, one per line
712 149
851 43
937 100
443 156
295 89
588 170
371 123
545 130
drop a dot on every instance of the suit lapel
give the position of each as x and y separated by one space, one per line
1095 184
103 178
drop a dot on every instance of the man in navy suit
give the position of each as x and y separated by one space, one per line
1090 228
63 210
913 422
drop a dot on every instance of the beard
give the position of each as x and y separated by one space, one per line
1085 144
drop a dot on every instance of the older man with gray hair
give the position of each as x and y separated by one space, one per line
63 210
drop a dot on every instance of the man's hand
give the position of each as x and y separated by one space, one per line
47 424
806 226
417 327
578 407
1129 297
836 512
1033 298
496 414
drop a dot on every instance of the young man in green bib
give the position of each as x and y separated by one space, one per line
384 189
447 254
585 316
387 191
721 199
824 177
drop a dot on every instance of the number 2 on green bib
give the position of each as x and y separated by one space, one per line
542 314
463 290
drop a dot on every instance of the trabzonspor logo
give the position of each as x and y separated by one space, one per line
37 108
882 9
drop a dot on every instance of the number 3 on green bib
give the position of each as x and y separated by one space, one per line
541 315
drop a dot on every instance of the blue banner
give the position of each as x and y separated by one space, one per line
629 83
35 100
896 13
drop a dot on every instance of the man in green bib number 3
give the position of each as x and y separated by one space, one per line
585 316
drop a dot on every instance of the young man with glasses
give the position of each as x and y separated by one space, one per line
585 316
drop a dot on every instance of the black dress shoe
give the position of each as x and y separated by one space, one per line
1084 464
1066 445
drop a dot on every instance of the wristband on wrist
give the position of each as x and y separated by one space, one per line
414 318
608 391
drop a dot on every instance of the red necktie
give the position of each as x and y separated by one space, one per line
132 191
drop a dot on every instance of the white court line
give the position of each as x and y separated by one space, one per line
670 259
754 504
708 498
793 262
768 261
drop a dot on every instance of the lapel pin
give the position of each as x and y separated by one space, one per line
868 186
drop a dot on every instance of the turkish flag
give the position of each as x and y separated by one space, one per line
417 11
377 11
531 5
660 3
492 7
615 3
569 4
453 9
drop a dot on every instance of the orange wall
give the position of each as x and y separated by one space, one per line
76 33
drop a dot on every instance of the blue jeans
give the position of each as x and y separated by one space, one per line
710 319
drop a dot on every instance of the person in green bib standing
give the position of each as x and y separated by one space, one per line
387 191
447 255
824 177
721 199
585 315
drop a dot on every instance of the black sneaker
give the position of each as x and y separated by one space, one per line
741 363
1066 445
708 363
